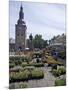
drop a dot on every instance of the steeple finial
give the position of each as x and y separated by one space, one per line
21 8
21 14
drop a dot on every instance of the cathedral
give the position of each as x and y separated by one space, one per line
20 34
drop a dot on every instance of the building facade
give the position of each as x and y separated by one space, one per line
58 43
20 32
11 45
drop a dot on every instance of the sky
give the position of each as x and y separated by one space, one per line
46 19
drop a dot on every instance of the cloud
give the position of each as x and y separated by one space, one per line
42 18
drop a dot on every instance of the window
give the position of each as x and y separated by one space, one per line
18 34
22 34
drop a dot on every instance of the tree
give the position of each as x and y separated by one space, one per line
38 41
45 43
53 38
31 37
31 42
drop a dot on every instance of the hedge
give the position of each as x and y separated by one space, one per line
60 82
34 64
19 59
55 73
26 75
23 58
21 76
11 65
62 71
58 72
16 58
37 74
62 54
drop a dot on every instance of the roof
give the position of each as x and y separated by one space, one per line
11 40
56 44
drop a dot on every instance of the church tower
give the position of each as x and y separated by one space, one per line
20 32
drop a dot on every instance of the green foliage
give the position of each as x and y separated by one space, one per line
55 72
34 64
38 42
38 65
53 38
62 54
58 72
62 71
54 67
45 43
25 75
11 65
60 82
19 76
17 60
25 64
14 58
27 59
31 37
37 74
22 58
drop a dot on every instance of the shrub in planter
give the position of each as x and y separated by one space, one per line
60 82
